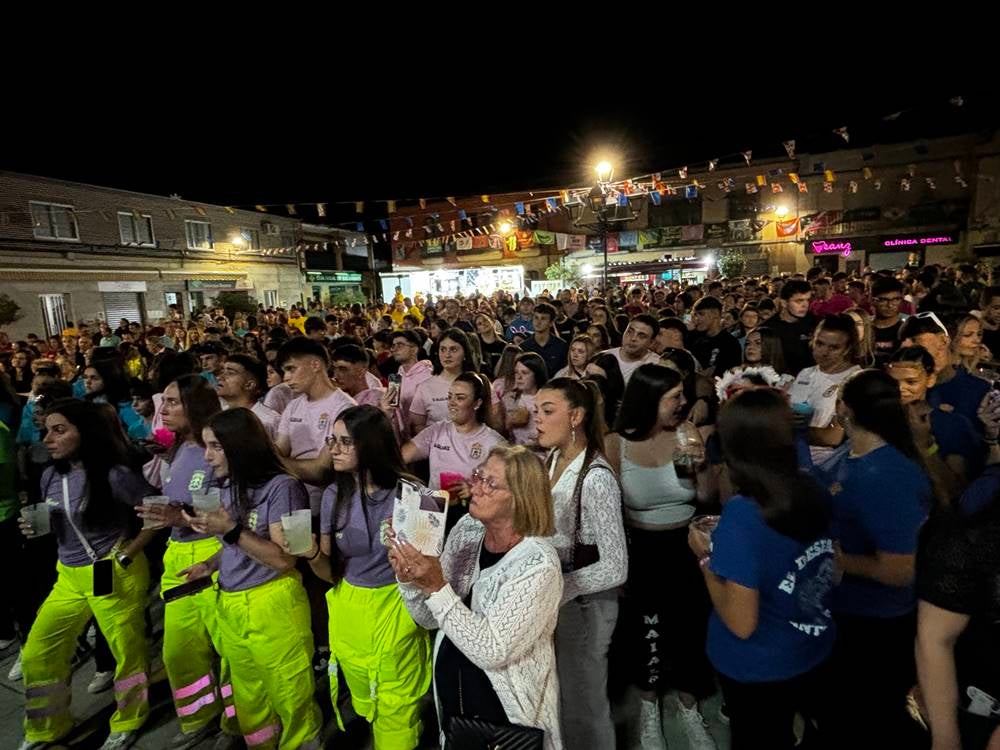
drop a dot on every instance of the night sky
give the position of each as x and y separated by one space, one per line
372 149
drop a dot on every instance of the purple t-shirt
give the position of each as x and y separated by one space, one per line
282 494
187 473
451 451
307 423
358 543
127 491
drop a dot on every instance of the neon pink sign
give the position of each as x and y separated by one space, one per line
822 246
944 239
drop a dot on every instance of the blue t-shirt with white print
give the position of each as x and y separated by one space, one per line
794 582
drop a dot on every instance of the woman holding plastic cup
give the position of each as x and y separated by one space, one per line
383 655
457 447
89 492
190 628
769 569
267 656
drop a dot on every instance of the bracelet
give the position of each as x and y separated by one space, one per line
315 554
233 535
703 562
932 451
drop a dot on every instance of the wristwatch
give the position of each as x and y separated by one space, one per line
124 560
233 535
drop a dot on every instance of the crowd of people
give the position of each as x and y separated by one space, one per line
785 488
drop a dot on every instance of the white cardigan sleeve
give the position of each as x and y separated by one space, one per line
512 623
601 523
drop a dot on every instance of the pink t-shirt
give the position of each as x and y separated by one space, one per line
836 304
370 396
268 417
420 372
279 397
451 451
307 423
431 399
527 435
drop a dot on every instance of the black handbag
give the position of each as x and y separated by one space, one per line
470 733
581 555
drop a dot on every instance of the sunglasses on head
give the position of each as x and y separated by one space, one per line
931 316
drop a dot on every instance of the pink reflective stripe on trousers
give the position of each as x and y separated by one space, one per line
139 678
261 735
230 711
227 691
52 710
38 691
194 688
193 707
126 702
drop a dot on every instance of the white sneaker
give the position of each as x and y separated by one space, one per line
15 670
696 728
651 726
120 740
101 682
7 643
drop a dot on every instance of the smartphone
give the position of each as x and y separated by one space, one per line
395 384
104 577
186 589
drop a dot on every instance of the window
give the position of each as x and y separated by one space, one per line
199 235
55 313
270 298
675 212
251 237
136 228
288 238
744 206
54 221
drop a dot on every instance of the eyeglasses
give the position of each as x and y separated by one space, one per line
490 484
931 316
402 345
345 443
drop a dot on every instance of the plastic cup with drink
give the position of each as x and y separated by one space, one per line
297 526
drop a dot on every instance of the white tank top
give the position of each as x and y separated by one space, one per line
653 494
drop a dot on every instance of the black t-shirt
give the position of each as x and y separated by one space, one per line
795 341
455 675
991 340
567 329
958 569
886 342
492 353
720 352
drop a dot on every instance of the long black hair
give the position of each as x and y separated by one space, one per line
252 459
469 361
99 452
112 372
380 462
612 385
585 395
874 400
758 444
535 363
640 406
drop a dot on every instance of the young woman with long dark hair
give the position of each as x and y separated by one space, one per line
430 402
369 624
267 656
102 573
769 570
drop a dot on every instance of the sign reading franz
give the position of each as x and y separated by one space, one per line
822 246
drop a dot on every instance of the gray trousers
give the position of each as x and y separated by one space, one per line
583 635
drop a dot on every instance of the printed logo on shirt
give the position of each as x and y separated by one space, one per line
324 421
476 451
52 502
811 596
440 447
252 519
831 391
197 481
296 420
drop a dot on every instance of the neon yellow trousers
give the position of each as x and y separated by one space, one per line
269 646
62 617
385 658
191 640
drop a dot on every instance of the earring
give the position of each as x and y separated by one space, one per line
572 435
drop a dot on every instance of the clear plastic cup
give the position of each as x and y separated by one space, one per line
207 501
298 530
38 516
705 524
148 523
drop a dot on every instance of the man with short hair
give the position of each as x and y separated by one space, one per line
315 329
406 349
858 296
522 326
211 355
887 295
452 313
672 333
243 384
308 419
350 372
715 349
634 306
795 325
544 341
827 302
636 343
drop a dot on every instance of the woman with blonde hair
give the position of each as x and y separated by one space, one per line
495 659
866 336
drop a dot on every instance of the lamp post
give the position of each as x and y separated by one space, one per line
600 218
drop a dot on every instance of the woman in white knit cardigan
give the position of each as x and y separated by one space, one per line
495 596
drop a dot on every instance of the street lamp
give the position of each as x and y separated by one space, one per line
599 217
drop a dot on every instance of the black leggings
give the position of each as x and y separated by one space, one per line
30 566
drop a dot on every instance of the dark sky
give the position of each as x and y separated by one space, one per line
276 145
